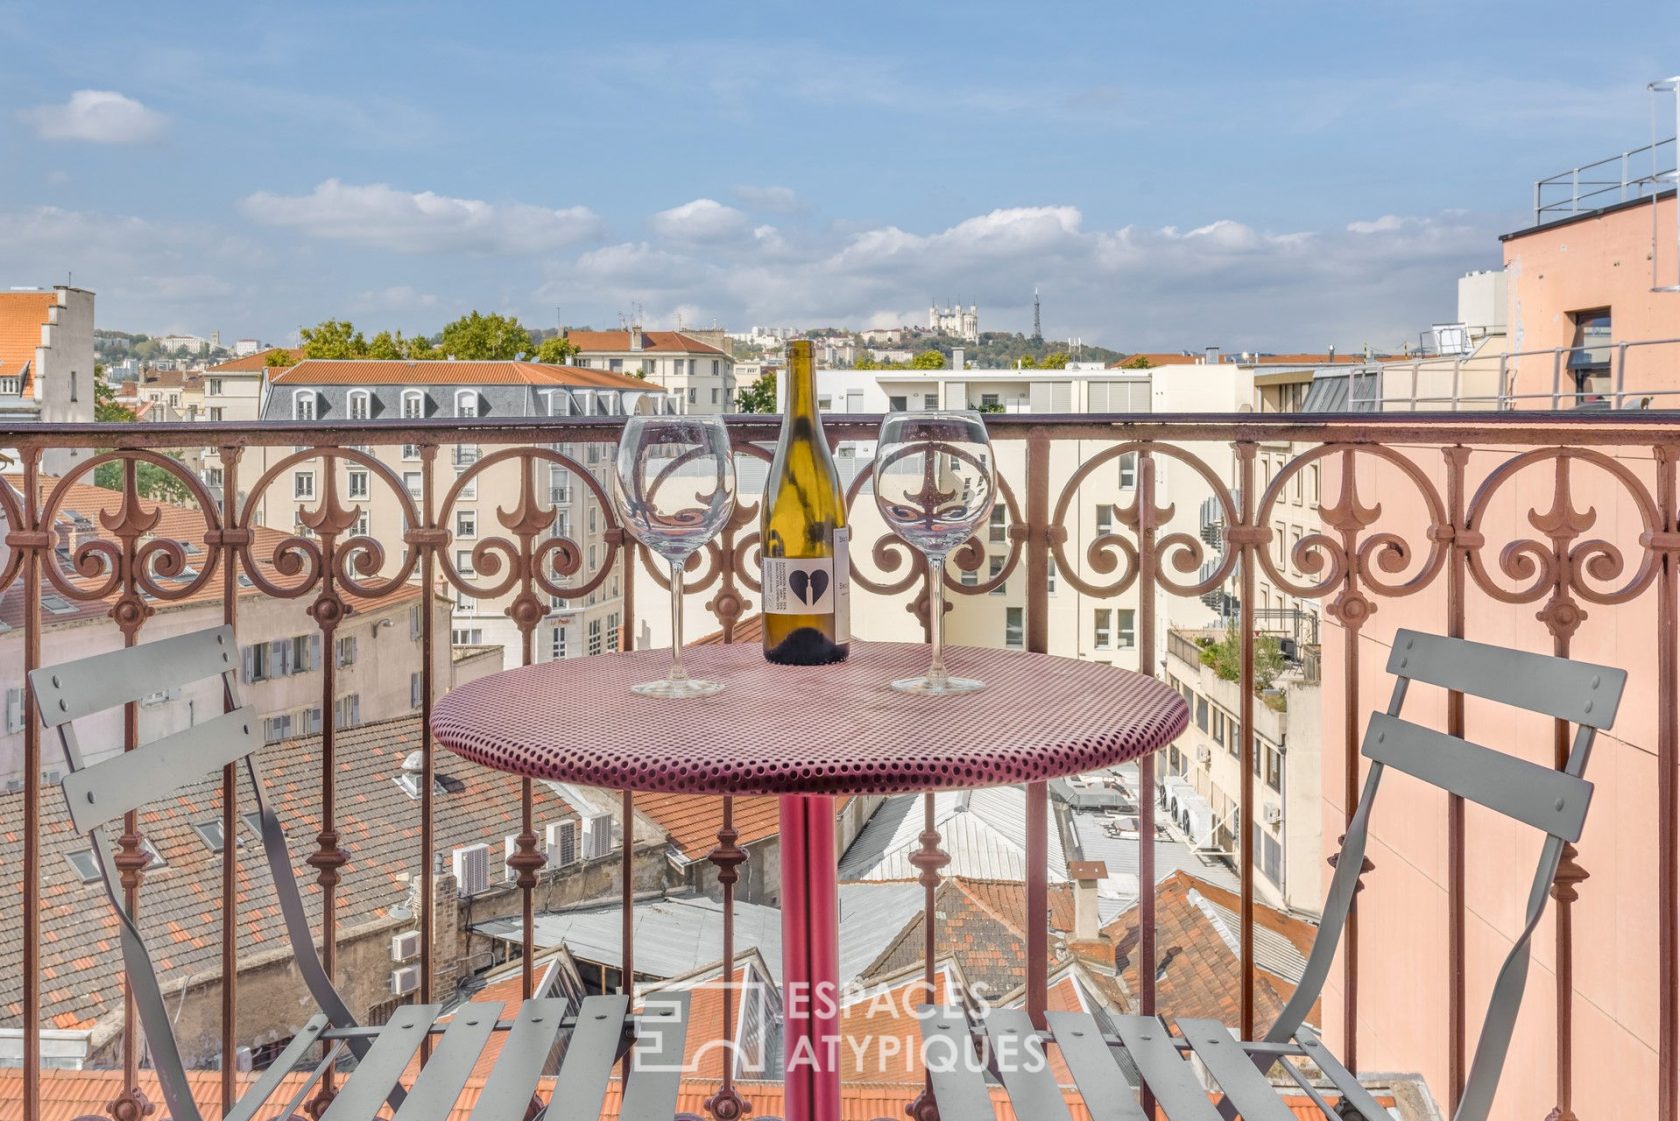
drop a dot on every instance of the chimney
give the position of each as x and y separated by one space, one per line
1212 358
1086 875
1332 356
956 358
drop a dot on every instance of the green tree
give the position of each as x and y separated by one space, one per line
333 338
150 480
759 397
105 405
420 349
1137 362
1224 657
387 346
490 337
556 350
1027 363
866 363
929 359
279 356
1056 360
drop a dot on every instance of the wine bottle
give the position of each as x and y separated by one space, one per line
803 534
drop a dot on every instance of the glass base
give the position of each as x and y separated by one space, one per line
687 687
928 687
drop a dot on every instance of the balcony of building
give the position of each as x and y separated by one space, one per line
1533 529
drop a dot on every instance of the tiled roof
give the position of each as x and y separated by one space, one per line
21 317
177 523
691 821
660 342
983 832
881 1030
980 926
364 371
379 826
1198 971
1163 358
255 363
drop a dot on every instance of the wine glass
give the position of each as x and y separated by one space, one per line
674 487
935 483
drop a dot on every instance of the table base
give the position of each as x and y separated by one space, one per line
810 957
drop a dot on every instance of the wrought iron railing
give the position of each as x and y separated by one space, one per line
1466 518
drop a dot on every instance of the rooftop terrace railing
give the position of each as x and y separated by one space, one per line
1461 517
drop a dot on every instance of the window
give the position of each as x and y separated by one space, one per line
11 386
416 690
999 529
277 728
416 623
347 713
714 367
1312 497
465 602
310 720
303 404
897 404
968 577
210 832
357 481
83 864
559 485
413 483
556 643
466 403
347 651
303 484
993 571
1128 471
616 365
360 404
714 395
468 636
413 404
464 563
363 524
595 636
1589 354
14 710
1050 577
213 387
930 400
466 523
990 402
469 489
1014 628
1274 768
1125 631
612 631
305 653
1219 726
1103 628
693 395
256 663
215 414
1202 713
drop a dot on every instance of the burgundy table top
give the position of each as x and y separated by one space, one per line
808 730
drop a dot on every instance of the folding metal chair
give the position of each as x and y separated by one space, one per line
1552 801
596 1031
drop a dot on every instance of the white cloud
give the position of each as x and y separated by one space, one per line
384 217
398 297
97 116
703 220
771 200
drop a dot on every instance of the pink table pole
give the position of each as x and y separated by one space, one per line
810 957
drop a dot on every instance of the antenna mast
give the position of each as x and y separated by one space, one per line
1038 328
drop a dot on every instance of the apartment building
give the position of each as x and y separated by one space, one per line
699 371
46 362
330 391
233 389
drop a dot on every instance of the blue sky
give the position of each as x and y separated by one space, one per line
1255 175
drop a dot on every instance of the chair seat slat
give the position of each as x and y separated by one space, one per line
370 1084
1237 1074
524 1052
959 1082
591 1052
1102 1084
439 1083
76 689
1167 1076
1024 1067
256 1096
1339 1075
106 790
1539 796
656 1072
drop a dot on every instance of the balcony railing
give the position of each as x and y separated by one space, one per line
1558 531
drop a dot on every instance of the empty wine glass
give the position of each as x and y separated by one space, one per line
674 487
935 483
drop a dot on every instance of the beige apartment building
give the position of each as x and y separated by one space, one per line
328 391
46 362
695 366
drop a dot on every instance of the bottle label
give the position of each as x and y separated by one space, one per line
842 586
812 586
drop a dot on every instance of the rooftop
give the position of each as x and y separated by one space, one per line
656 342
410 371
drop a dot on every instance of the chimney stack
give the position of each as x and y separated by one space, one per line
956 358
1086 875
1212 356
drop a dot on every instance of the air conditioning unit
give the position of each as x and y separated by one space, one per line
1204 753
242 1060
1273 813
472 868
510 845
597 836
405 946
562 843
407 979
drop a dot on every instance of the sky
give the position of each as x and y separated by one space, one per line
1258 176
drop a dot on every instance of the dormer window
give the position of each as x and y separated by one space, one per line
413 404
559 402
585 401
361 404
304 404
11 386
466 403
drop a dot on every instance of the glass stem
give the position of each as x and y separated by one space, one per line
677 672
936 618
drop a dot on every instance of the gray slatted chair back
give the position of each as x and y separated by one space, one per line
102 792
1552 801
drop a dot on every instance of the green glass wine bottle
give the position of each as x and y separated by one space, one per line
806 574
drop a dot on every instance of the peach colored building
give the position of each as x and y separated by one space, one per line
1582 285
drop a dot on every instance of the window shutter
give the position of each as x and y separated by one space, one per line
247 664
314 651
279 653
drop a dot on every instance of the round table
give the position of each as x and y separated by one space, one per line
807 734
